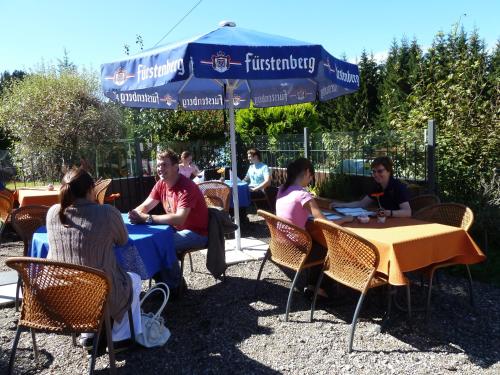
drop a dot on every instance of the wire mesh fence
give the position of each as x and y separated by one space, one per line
337 153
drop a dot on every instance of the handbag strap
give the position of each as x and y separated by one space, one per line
166 296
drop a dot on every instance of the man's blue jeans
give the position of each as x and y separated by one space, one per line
183 239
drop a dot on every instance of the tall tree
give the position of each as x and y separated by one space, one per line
357 111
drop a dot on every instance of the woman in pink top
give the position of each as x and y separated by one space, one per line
186 166
295 204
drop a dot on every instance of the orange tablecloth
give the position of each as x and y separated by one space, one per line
406 244
28 197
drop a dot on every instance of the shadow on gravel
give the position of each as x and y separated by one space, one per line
207 326
25 361
454 327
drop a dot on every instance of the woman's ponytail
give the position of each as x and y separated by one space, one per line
76 184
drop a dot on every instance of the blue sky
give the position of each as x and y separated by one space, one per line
94 32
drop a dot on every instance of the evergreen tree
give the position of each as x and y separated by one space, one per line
357 111
65 64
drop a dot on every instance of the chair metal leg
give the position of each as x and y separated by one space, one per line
408 301
385 319
35 347
109 338
471 291
266 257
131 324
429 293
150 283
18 288
95 345
191 262
389 299
182 264
313 304
73 338
14 348
290 294
355 320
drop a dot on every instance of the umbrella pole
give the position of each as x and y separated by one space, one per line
234 177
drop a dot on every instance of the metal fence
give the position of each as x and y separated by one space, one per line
349 153
331 153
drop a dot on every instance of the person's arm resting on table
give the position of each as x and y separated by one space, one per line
140 214
404 211
313 207
365 202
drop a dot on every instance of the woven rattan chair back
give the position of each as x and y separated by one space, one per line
5 208
351 260
100 190
422 201
452 214
26 220
61 297
216 194
289 245
455 215
7 194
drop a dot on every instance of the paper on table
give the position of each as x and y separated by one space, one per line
354 211
328 215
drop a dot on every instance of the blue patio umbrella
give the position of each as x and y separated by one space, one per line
228 68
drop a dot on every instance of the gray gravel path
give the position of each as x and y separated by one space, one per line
224 328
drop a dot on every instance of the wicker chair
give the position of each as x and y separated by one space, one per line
65 299
25 221
100 189
5 211
7 194
422 201
290 247
352 261
455 215
216 194
267 199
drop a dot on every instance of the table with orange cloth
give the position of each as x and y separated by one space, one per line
407 244
27 197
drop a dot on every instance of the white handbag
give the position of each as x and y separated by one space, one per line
154 333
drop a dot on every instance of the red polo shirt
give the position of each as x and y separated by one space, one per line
184 194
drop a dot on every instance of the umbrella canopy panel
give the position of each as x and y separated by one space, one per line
268 70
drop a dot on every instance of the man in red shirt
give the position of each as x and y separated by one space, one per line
184 204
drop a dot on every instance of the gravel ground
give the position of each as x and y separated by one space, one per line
224 328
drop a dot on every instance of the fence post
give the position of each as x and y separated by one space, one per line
138 165
306 143
431 156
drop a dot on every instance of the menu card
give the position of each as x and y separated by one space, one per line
354 211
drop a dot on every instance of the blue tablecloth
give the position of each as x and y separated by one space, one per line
243 194
149 248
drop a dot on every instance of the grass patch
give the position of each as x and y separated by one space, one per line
11 185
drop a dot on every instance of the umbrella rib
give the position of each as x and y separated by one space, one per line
185 83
